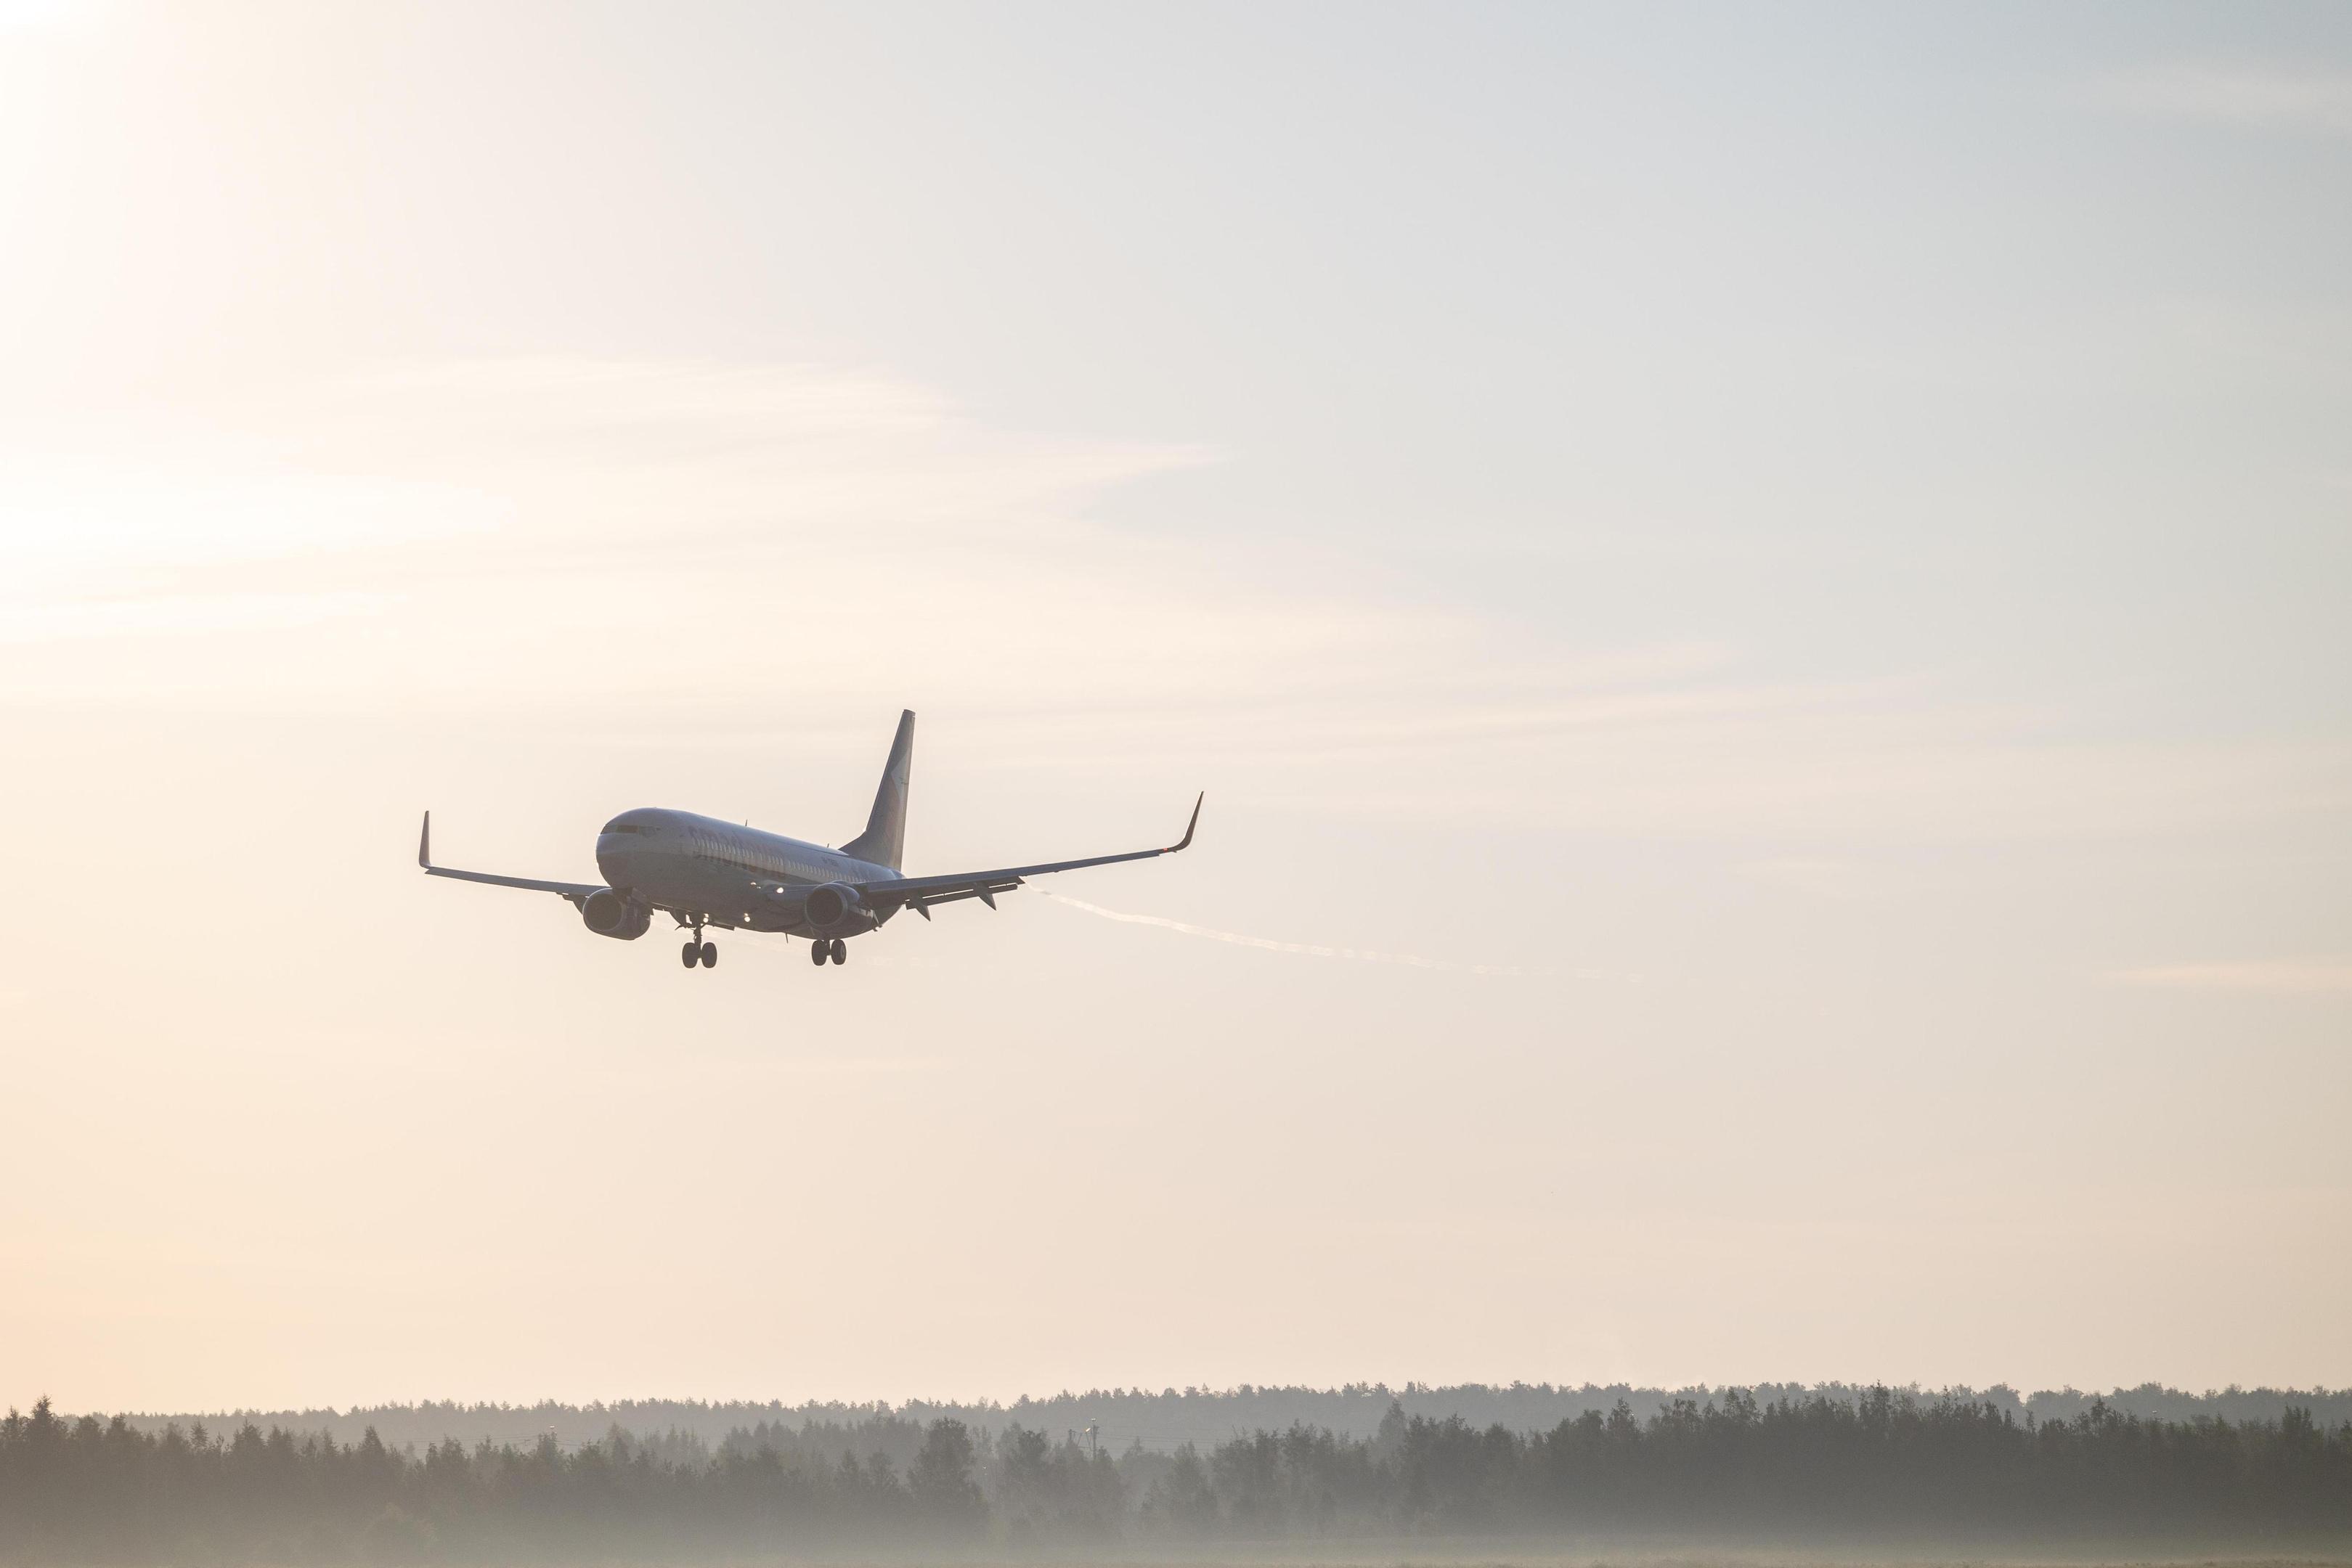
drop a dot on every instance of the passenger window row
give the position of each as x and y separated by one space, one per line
711 847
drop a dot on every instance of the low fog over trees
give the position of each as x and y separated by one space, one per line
1879 1466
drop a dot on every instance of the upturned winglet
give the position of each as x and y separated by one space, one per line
424 843
1186 842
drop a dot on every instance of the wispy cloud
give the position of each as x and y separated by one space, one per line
171 537
2274 977
852 1066
2263 97
30 13
176 614
1819 876
659 551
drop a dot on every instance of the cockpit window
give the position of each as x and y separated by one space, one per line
622 828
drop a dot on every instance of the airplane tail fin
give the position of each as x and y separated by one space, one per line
884 841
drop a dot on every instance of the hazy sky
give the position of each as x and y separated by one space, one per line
1816 541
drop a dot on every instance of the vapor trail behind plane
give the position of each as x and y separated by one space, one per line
1314 949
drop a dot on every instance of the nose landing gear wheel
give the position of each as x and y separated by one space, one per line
817 952
690 954
840 950
711 955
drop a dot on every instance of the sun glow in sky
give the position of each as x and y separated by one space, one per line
1795 561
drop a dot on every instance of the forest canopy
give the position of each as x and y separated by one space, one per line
1163 1417
1886 1467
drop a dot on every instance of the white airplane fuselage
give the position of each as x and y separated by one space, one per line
739 877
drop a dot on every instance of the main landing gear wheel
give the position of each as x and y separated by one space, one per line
711 955
690 954
818 951
840 950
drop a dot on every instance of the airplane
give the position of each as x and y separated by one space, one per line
702 873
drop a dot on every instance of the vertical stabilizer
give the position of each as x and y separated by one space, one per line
884 841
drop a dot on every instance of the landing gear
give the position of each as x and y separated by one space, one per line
690 954
840 950
697 951
711 955
819 951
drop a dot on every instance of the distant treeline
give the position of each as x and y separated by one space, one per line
1885 1468
1165 1418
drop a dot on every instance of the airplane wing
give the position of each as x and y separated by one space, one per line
574 891
919 892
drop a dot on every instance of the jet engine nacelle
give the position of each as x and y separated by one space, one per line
835 910
609 914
